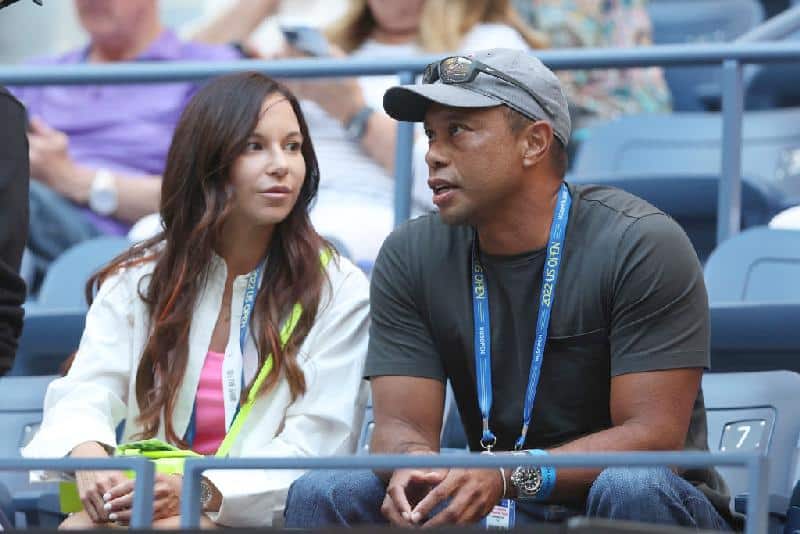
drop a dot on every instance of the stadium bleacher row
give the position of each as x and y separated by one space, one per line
752 393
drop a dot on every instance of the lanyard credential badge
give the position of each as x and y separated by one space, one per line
482 324
233 363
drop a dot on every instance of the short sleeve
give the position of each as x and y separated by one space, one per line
659 309
400 341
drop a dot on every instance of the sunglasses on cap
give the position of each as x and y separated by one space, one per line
457 70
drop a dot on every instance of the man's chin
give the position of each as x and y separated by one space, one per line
454 217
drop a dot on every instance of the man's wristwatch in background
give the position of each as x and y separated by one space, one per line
356 127
103 195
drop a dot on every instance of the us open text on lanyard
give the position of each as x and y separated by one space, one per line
233 363
482 324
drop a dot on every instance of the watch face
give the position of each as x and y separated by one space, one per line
527 480
104 201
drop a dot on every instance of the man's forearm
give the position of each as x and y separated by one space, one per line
573 484
400 439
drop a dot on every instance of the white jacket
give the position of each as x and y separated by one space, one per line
99 391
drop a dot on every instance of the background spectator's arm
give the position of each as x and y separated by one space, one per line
51 163
235 23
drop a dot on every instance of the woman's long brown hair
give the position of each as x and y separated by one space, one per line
211 133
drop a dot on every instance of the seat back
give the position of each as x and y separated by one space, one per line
49 337
21 406
748 336
689 144
691 199
757 265
64 284
697 21
758 412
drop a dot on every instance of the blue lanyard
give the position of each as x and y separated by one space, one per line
482 329
250 292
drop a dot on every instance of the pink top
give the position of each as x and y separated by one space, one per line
209 406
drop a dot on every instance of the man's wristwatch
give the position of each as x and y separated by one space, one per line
356 127
103 196
527 480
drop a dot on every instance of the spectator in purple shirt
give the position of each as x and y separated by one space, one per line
97 152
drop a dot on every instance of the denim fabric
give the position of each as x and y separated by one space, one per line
655 495
323 498
55 223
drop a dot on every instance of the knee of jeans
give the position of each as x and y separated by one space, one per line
312 487
630 483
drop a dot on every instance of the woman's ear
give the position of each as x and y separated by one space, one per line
536 139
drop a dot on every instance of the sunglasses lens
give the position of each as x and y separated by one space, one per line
456 70
431 73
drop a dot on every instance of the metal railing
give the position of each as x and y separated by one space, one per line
142 510
142 507
730 56
756 519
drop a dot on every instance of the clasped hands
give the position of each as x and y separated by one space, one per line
108 496
436 497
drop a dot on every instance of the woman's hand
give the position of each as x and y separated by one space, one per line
92 485
166 499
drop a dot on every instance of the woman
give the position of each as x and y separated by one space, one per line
171 319
354 138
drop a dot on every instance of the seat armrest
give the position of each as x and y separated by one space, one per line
777 505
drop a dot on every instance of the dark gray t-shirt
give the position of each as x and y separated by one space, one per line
630 298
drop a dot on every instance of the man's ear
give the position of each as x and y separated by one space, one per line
536 138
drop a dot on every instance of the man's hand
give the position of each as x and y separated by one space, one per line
472 493
52 165
406 489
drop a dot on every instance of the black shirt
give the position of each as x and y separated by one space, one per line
630 298
13 222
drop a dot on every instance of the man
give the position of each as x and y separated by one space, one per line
13 221
97 152
617 368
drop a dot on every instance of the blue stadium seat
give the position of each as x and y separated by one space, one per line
21 404
64 284
757 265
756 412
691 199
749 336
689 143
697 21
49 336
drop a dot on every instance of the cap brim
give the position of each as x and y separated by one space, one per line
410 102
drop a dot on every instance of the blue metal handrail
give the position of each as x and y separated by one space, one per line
755 464
142 511
730 56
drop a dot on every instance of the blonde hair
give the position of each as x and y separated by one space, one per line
443 24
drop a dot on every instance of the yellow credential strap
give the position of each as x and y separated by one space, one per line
244 411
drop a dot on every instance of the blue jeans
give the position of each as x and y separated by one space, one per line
324 498
55 223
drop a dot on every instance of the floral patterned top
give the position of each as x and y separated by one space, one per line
602 94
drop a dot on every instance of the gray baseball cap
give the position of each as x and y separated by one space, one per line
544 100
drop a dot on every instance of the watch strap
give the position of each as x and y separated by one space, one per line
356 127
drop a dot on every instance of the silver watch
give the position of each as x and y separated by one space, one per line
527 480
103 194
205 493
